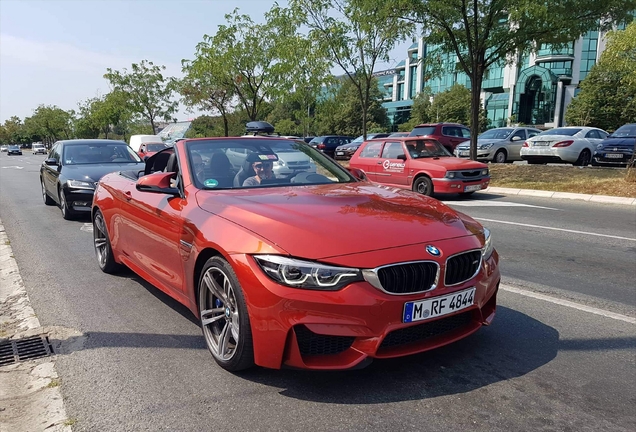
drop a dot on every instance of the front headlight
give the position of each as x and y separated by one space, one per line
77 184
484 172
297 273
450 174
600 146
488 248
485 146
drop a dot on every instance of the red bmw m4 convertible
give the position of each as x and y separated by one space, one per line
316 269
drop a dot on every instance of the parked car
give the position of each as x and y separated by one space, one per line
328 143
449 134
399 134
617 148
14 150
136 141
148 149
287 162
313 270
420 164
69 175
4 148
37 148
498 145
308 139
571 144
345 151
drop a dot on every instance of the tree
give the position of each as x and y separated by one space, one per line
355 35
12 131
147 91
608 94
51 123
483 33
204 126
341 113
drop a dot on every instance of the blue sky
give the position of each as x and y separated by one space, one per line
56 52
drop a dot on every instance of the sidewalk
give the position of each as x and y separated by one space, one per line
562 195
30 397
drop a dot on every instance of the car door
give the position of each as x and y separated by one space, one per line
453 136
594 138
152 230
516 142
368 159
392 166
50 173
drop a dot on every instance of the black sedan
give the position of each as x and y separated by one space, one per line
69 175
14 150
345 151
617 148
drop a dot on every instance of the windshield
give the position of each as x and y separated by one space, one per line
426 149
98 153
155 147
249 163
496 134
561 131
625 131
423 131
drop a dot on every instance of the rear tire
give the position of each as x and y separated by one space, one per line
423 185
584 158
103 249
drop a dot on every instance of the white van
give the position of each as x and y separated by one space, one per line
137 140
38 148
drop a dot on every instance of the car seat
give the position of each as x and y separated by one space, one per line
220 169
158 162
244 173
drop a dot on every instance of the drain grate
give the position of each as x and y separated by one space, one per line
29 348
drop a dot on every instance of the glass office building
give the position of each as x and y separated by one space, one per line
535 90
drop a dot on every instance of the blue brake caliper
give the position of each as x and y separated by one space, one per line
218 303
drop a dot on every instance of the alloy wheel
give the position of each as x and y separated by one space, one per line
220 314
100 240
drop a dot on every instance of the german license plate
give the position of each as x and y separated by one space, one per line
438 306
541 143
339 153
472 188
613 155
464 153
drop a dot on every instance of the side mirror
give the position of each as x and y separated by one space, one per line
51 162
516 138
402 157
357 173
158 183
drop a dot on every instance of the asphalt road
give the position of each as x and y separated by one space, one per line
141 363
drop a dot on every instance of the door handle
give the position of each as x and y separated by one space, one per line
380 162
128 195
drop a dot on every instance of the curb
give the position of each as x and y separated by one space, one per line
30 396
563 195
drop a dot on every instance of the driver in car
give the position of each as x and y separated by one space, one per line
263 170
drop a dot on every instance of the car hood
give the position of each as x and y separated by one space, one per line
452 163
318 222
94 172
466 144
610 142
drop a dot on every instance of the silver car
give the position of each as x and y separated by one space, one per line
498 145
570 144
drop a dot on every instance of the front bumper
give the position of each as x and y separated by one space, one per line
18 153
333 330
79 200
601 157
452 186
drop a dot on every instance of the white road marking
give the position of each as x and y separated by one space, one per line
569 304
556 229
88 227
13 167
485 203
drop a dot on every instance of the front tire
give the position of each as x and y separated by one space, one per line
45 197
224 318
423 185
500 157
67 213
103 249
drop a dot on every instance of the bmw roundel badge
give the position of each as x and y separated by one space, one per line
433 250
